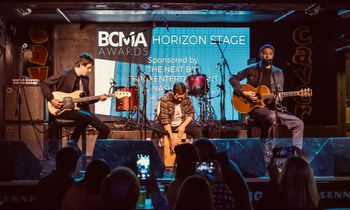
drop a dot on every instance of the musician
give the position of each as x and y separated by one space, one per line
74 79
176 114
264 73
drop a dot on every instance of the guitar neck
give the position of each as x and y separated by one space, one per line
283 95
89 98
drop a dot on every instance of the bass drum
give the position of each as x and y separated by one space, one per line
127 103
197 84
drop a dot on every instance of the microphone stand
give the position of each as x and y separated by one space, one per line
276 101
223 66
18 95
127 37
144 107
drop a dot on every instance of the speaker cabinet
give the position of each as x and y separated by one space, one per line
17 162
33 135
123 153
327 156
29 95
246 153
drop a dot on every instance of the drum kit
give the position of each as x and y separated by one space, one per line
197 86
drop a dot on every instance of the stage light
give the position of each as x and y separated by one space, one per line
344 13
24 11
313 10
284 15
64 15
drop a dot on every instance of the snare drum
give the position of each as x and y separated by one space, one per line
197 84
127 103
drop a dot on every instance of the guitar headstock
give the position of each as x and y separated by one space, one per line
306 92
121 94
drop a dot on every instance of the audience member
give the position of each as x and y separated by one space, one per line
85 194
121 189
194 194
51 189
222 195
292 189
185 166
230 172
159 201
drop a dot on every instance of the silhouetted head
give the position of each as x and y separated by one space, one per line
298 184
66 160
96 171
194 194
205 147
120 189
186 158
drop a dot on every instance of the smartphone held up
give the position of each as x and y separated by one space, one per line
143 163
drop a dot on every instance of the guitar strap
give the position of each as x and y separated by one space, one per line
259 67
81 86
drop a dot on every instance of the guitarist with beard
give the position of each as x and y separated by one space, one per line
264 73
68 82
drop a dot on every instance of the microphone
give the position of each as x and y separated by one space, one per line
197 68
112 82
166 24
148 77
268 61
216 42
24 46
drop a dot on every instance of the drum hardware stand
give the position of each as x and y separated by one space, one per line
126 121
207 115
222 64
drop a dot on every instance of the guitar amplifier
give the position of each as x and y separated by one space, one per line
32 102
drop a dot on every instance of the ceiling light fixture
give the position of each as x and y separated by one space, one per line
344 13
313 10
24 11
284 15
64 15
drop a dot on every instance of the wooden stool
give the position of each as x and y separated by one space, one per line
63 123
169 157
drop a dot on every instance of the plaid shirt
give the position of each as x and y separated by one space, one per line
167 108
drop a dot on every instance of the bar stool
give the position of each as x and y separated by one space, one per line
254 130
64 123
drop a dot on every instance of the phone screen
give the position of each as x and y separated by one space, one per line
281 154
205 167
143 166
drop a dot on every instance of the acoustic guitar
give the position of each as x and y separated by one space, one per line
70 100
244 105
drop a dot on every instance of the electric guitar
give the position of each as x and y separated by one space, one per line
244 105
70 100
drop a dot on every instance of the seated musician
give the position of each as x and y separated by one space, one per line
72 80
264 73
176 115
